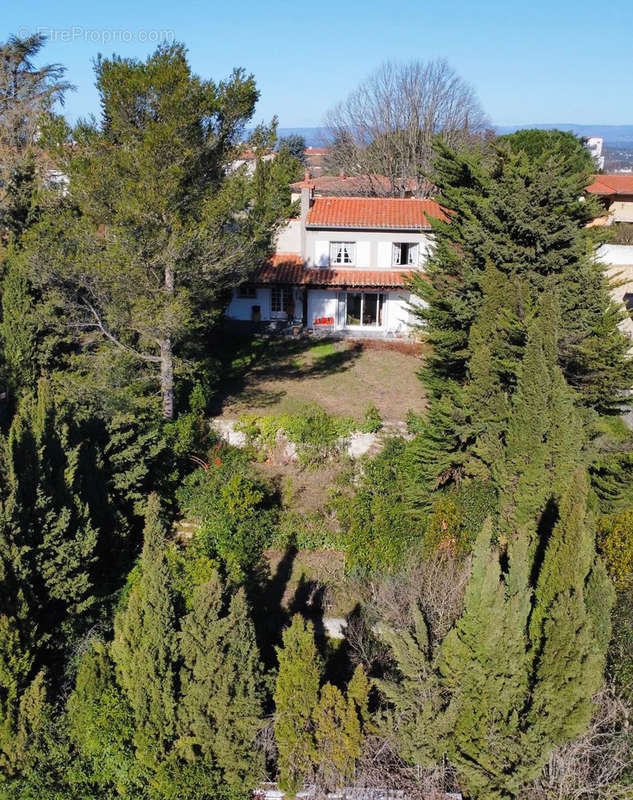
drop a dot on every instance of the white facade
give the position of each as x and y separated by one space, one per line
369 249
330 296
619 261
595 144
365 310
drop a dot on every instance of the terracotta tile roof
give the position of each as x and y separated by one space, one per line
362 185
373 212
290 269
316 150
611 184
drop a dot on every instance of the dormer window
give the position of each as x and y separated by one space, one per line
405 254
342 252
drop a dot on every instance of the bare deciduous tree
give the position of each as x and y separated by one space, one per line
435 585
386 127
593 767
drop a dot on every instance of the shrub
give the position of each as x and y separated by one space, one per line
236 509
444 529
373 420
370 502
615 540
316 434
306 530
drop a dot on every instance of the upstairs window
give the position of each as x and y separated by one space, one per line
342 252
405 254
247 290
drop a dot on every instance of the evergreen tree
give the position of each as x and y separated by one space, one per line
50 542
515 233
101 724
515 676
153 246
222 693
145 647
27 97
296 698
22 701
338 737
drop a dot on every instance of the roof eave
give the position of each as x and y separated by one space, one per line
386 228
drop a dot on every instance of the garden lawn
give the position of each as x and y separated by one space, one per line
274 376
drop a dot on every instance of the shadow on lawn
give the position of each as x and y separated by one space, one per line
266 591
247 360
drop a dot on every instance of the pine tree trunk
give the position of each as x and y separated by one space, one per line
167 359
167 378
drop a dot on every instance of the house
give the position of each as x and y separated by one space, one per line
595 145
356 186
315 158
616 194
618 259
343 266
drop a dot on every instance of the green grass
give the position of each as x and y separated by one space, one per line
321 350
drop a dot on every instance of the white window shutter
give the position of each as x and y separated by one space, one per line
424 250
321 253
384 255
363 254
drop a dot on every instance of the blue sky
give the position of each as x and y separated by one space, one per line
537 62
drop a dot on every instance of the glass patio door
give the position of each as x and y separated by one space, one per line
364 309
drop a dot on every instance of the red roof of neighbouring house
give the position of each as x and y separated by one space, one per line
363 185
377 213
611 184
288 268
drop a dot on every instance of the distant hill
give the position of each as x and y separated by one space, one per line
315 137
613 135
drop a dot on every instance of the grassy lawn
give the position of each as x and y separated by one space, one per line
272 376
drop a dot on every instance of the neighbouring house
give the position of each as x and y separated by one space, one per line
249 159
343 266
595 145
618 259
616 194
356 186
315 159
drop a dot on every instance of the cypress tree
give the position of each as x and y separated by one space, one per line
296 697
100 722
338 737
240 695
515 234
145 647
50 540
221 706
514 678
22 701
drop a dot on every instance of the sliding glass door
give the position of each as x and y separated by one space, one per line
364 309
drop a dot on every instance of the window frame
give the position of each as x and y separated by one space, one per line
381 300
247 291
341 247
285 297
413 254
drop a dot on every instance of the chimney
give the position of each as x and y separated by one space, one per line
306 202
